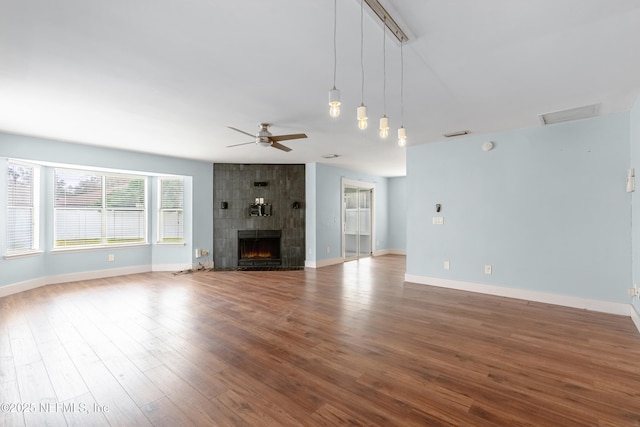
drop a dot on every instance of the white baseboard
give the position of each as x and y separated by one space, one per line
382 252
323 262
172 267
97 274
21 287
567 301
11 289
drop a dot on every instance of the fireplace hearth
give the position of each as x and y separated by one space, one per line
259 248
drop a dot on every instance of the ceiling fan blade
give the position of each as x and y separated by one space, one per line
241 131
244 143
280 146
286 137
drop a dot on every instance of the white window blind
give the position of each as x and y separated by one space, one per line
126 214
93 209
171 223
22 208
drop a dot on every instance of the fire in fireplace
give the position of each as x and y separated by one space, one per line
259 248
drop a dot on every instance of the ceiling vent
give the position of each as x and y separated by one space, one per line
570 114
458 133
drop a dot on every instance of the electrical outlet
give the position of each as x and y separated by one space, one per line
111 257
198 253
205 252
328 250
487 269
446 265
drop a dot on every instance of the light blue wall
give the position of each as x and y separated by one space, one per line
198 208
547 208
398 213
324 189
635 204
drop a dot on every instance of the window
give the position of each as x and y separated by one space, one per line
171 213
93 209
22 208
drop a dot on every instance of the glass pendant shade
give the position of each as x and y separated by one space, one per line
362 117
334 102
384 127
402 136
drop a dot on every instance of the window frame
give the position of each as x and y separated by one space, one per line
106 241
161 210
34 248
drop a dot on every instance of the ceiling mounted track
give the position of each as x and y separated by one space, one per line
387 20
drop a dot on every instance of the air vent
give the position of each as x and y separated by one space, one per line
570 114
457 133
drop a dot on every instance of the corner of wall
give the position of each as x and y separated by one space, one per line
635 316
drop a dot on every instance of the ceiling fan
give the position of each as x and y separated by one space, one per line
264 138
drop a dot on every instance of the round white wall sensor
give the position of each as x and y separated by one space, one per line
487 146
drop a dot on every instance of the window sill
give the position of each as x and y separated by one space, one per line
171 244
23 254
96 248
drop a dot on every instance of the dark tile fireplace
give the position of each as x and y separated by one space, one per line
259 248
258 216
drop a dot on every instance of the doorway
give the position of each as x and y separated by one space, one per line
357 219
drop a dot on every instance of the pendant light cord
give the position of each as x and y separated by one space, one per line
401 83
335 54
362 45
384 66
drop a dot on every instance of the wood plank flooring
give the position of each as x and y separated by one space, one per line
349 344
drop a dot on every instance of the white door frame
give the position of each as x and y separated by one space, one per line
361 185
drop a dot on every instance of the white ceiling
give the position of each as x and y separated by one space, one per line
169 76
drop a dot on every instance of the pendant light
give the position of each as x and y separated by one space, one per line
402 132
362 109
334 94
384 121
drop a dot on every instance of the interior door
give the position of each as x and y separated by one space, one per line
358 222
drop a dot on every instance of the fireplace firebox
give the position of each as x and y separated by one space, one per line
259 248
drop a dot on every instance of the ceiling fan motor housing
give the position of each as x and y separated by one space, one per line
262 138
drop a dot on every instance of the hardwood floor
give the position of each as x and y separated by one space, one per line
343 345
